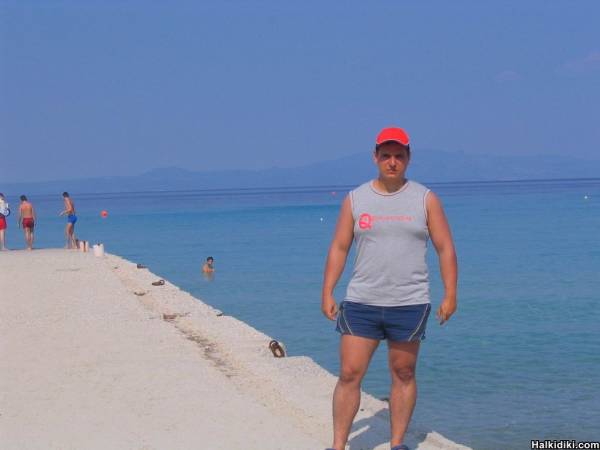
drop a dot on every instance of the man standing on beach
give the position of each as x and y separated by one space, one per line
27 220
4 211
390 219
69 211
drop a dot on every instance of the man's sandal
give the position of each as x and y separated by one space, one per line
277 349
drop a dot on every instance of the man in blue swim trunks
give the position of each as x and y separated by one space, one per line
390 219
69 211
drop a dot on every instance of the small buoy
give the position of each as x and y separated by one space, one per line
585 197
321 219
104 213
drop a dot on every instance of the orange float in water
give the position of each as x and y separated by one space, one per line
104 213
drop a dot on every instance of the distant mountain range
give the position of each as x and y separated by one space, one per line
426 166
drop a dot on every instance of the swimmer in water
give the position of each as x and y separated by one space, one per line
69 211
208 266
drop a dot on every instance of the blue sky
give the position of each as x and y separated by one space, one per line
118 88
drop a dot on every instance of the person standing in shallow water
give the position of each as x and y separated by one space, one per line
390 220
69 211
27 220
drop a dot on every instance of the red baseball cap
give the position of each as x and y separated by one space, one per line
394 135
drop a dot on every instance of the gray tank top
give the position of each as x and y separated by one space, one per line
390 234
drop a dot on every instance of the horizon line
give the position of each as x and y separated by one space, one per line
319 188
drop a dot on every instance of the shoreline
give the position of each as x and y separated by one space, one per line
282 402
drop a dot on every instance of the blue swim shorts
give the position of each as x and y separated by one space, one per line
72 218
395 323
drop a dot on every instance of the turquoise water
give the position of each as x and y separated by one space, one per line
519 361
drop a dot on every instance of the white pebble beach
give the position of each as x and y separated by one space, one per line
93 356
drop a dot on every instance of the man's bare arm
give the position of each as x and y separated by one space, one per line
336 258
439 230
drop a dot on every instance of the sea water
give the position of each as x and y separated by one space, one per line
520 360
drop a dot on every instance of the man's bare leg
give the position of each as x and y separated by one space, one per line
402 359
67 237
28 239
355 354
2 241
70 236
73 240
